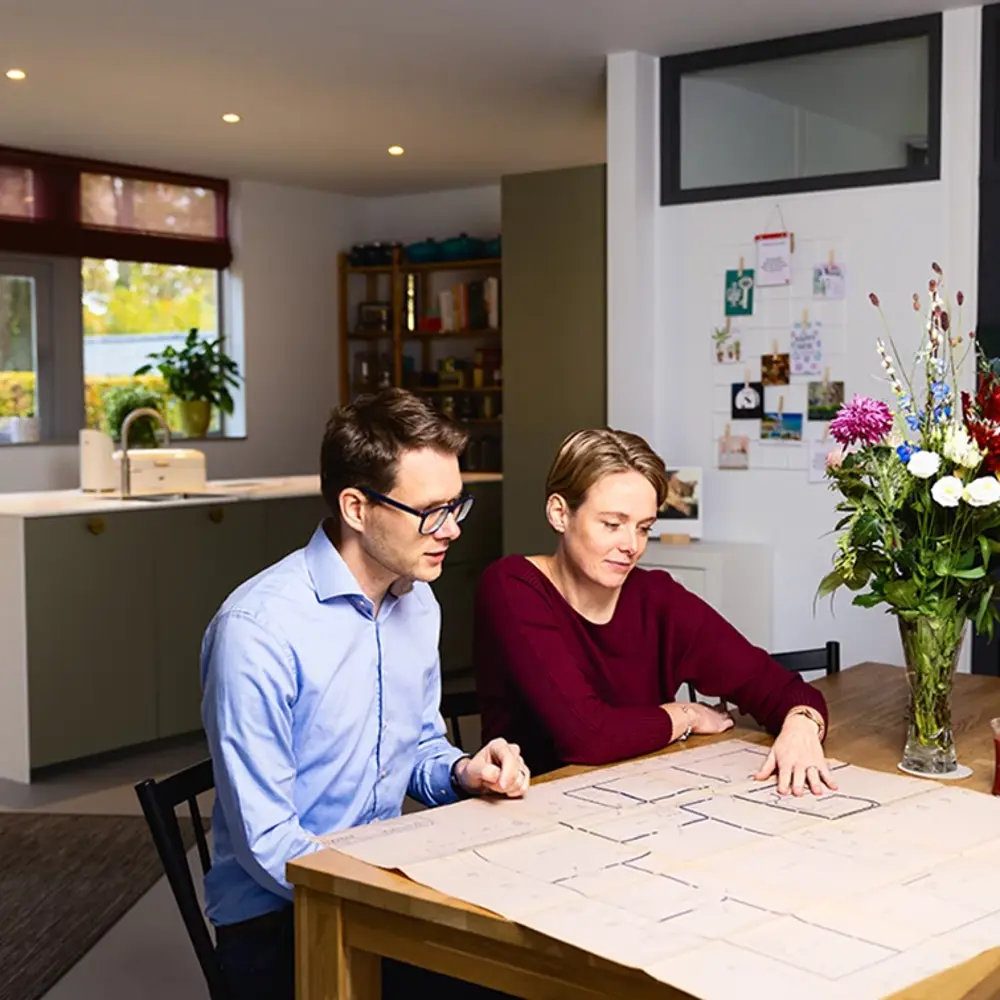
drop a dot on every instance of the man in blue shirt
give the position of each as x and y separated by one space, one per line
321 684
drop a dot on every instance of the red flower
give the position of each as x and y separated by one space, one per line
874 298
982 418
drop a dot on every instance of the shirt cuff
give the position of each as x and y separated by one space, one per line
443 788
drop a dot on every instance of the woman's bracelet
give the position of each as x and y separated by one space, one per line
687 720
812 715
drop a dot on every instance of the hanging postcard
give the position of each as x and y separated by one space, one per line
747 400
734 451
739 293
774 259
726 349
829 280
807 347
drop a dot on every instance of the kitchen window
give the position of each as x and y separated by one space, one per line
101 264
132 309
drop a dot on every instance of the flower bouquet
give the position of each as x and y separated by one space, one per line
921 505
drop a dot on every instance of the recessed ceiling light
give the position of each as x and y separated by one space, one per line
396 150
230 118
16 74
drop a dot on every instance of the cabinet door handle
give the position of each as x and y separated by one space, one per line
96 525
216 515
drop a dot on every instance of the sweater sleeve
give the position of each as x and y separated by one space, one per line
517 619
720 662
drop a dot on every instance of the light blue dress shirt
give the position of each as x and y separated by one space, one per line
319 716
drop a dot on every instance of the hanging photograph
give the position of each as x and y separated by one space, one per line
807 347
734 451
829 281
774 259
681 511
825 399
726 349
775 369
747 401
739 293
781 427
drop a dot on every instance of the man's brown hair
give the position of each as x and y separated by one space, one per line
588 455
364 440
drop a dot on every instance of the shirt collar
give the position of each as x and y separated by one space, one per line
331 576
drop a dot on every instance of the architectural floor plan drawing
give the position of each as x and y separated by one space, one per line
688 868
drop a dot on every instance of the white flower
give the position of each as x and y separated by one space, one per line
960 448
982 492
947 491
924 464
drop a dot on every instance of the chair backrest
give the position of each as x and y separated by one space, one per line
160 800
456 705
803 661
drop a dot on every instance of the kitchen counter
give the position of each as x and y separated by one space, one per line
104 602
61 502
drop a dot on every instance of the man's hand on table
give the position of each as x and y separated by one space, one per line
496 770
797 756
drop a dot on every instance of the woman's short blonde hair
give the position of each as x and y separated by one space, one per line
589 455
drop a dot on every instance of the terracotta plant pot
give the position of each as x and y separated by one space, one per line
195 417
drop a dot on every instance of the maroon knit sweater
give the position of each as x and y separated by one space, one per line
572 692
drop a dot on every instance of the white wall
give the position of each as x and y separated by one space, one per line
414 217
887 238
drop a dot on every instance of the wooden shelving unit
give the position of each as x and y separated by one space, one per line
403 355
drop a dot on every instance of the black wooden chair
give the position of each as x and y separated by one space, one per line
159 800
459 700
802 661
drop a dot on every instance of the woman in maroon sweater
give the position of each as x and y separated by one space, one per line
579 654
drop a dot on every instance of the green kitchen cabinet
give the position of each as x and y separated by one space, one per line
90 633
201 554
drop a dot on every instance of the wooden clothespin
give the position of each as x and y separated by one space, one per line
729 325
831 260
791 242
781 405
805 318
726 434
739 273
826 377
774 346
746 377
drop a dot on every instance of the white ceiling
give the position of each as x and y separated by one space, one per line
472 88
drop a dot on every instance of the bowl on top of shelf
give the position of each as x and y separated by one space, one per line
461 247
492 248
426 252
375 254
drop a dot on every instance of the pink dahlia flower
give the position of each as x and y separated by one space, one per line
861 421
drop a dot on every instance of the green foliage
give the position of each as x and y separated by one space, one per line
199 370
120 401
121 297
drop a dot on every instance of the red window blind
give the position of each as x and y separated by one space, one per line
83 208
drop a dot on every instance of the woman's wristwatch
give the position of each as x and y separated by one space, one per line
812 715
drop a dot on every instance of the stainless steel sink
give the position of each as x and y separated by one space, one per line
161 497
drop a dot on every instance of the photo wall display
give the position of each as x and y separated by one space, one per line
788 316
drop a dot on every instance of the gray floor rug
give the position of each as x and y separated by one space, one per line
64 881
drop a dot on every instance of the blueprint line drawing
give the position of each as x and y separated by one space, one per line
688 868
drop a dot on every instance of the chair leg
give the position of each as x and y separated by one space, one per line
456 732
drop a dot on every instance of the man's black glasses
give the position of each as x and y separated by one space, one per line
432 520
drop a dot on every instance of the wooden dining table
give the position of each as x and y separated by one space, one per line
349 914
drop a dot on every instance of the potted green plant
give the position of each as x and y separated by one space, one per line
198 375
119 401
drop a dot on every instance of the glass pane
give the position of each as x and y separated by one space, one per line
147 206
131 310
17 192
806 116
18 360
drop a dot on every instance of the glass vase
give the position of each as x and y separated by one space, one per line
931 647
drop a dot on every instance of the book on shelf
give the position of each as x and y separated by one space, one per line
470 305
